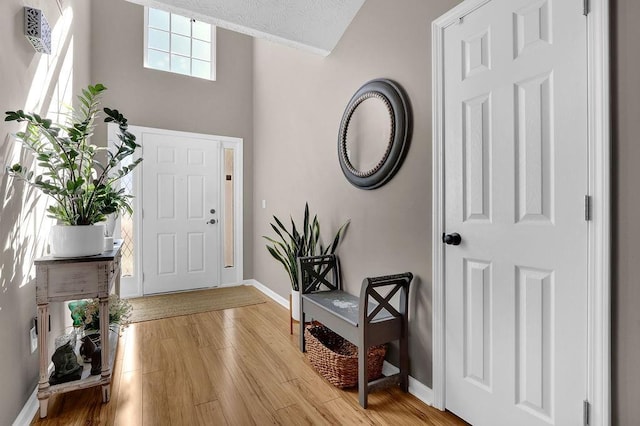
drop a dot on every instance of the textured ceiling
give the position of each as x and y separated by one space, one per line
313 25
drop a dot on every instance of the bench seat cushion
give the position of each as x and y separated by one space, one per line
343 305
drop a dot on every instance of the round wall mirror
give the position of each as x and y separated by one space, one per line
374 134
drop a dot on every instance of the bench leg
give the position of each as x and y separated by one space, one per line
302 321
363 372
404 362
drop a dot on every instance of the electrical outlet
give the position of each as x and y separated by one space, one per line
33 339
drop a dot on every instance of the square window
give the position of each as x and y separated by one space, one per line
158 39
180 64
158 60
159 19
201 31
201 50
200 69
179 44
180 25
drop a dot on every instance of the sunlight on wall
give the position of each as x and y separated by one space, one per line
49 67
50 95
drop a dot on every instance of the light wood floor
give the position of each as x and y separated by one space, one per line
237 367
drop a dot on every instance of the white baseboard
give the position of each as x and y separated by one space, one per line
421 391
266 290
28 411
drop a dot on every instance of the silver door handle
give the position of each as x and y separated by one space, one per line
212 222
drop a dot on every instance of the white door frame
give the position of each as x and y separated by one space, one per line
233 275
599 236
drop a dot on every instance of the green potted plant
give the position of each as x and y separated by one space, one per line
80 177
86 313
299 242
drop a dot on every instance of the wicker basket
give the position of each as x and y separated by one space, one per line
336 359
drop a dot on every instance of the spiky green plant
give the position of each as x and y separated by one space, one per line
82 186
299 242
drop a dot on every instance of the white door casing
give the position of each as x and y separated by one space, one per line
181 237
133 285
507 178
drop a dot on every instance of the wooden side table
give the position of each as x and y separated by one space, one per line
58 280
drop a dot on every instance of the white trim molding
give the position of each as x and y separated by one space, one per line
416 388
599 228
267 291
29 410
599 283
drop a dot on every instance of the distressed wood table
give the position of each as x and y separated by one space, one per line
58 280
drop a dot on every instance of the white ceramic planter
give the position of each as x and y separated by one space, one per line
76 241
295 305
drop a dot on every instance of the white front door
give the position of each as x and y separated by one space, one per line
515 159
181 203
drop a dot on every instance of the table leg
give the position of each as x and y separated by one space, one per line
43 382
104 339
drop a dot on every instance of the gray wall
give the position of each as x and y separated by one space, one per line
299 100
27 79
170 101
626 211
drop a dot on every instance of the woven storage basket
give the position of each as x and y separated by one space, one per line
336 359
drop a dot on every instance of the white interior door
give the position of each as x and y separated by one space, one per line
515 98
181 203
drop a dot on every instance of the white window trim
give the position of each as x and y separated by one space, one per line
214 31
232 275
132 285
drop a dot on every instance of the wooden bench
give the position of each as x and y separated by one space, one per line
365 321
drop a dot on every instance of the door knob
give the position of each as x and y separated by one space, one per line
452 239
212 222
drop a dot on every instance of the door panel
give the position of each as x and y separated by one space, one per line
515 159
181 184
535 327
476 160
477 322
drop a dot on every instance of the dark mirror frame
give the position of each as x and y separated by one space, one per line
394 97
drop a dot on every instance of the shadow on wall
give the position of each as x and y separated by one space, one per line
24 227
42 84
419 305
18 201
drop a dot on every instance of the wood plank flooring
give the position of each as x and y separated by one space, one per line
233 367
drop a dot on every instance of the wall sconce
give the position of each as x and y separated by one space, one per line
37 30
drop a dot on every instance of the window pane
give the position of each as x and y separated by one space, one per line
180 25
228 208
158 60
201 69
126 228
201 50
180 64
159 19
180 45
158 39
202 30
